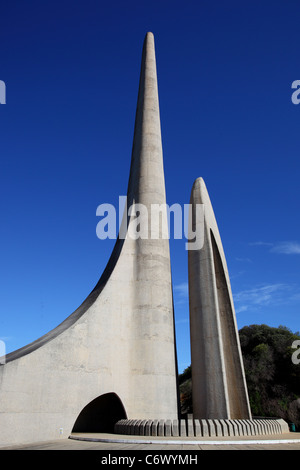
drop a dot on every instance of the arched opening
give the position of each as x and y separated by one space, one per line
233 361
100 415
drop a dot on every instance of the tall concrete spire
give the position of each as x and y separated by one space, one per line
153 357
218 381
115 356
147 175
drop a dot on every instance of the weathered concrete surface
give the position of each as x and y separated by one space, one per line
121 339
218 380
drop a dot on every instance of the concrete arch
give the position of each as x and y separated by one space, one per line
230 342
218 379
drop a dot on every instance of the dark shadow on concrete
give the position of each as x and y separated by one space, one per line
100 415
238 405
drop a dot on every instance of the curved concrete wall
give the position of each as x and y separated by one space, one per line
121 339
200 427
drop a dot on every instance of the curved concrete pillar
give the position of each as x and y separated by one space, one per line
121 339
218 381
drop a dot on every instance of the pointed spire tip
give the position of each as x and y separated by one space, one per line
149 37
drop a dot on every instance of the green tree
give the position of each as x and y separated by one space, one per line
273 380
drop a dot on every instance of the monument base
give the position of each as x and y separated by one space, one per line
201 427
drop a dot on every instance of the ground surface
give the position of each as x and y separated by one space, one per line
103 442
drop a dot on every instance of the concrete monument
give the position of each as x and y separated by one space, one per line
218 380
220 398
115 356
111 365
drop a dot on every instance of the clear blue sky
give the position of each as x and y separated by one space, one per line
71 70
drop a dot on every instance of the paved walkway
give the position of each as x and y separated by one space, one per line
112 442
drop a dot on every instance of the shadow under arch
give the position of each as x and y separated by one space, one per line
101 414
